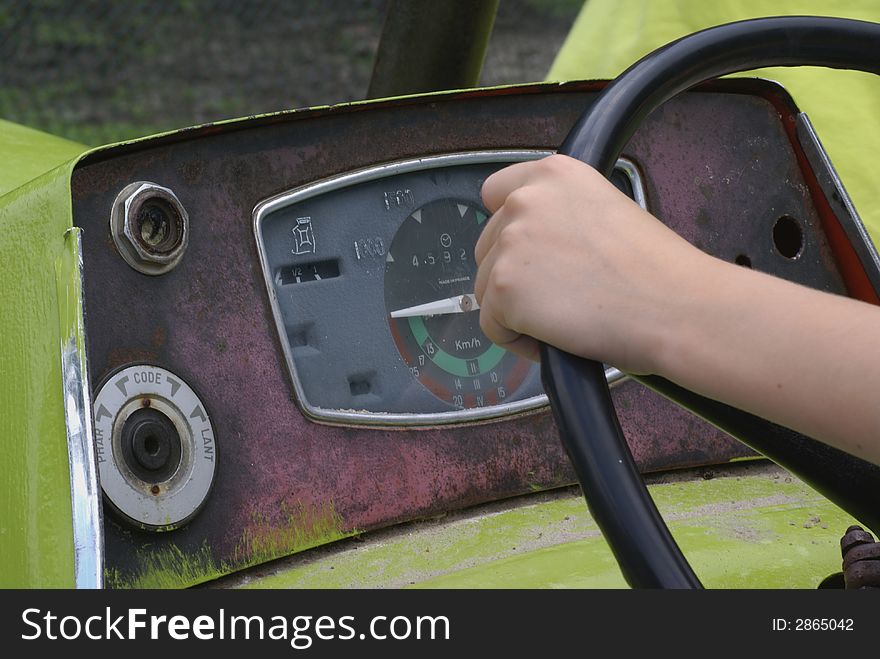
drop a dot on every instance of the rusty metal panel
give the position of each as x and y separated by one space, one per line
285 483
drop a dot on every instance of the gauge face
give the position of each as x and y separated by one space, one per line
431 260
350 264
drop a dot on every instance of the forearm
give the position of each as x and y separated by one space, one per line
568 260
801 358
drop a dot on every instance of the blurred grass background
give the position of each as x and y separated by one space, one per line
100 71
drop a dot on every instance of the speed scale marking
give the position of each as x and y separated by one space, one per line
143 414
445 349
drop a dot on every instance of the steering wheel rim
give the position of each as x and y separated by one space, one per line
579 396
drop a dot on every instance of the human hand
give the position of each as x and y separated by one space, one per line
569 260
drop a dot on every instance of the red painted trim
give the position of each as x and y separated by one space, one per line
855 277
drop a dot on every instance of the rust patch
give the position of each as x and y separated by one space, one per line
159 336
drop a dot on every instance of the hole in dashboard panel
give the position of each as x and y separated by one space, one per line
743 260
159 225
788 237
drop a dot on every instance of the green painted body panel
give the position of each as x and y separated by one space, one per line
41 309
29 153
760 529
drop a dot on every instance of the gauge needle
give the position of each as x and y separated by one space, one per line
457 304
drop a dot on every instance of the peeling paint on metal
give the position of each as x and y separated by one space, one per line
170 566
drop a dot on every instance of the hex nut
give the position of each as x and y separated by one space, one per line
150 227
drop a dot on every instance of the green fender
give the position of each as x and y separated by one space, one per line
41 320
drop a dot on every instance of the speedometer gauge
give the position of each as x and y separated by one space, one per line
429 284
371 276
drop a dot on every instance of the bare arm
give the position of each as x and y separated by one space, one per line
569 260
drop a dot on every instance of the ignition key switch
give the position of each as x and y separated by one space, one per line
155 445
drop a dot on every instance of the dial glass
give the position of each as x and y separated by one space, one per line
429 284
370 277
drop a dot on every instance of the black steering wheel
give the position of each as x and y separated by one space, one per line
578 392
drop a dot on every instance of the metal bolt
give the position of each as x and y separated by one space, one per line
150 227
861 559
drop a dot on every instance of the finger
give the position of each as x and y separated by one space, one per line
497 332
499 185
519 344
487 238
483 270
